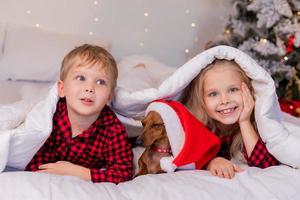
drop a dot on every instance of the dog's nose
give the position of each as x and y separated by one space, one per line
139 141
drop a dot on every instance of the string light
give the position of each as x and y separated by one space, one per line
285 58
263 40
298 13
146 30
227 31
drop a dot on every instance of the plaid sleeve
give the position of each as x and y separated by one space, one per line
44 155
119 159
260 157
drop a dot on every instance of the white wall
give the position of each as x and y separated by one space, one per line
123 23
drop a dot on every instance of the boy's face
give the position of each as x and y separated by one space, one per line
87 89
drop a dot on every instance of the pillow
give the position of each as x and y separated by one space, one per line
147 72
32 53
13 114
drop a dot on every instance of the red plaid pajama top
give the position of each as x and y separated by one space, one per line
103 148
260 157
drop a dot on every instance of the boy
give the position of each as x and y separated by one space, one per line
87 139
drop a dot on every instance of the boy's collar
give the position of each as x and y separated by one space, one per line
106 116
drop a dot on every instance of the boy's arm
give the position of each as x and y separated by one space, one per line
119 159
119 162
44 155
66 168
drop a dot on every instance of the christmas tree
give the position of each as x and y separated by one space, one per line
268 31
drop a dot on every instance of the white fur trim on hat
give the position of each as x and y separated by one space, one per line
166 164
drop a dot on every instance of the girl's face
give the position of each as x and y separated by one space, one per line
222 94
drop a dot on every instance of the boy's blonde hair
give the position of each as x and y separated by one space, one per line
90 54
193 95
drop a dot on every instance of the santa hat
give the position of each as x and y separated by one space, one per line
192 144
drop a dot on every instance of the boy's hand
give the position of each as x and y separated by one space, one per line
66 168
223 168
248 104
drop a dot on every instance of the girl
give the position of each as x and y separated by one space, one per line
221 96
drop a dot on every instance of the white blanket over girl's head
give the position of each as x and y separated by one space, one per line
280 132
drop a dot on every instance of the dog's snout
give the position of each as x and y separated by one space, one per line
139 141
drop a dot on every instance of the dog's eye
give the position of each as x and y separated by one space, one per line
157 126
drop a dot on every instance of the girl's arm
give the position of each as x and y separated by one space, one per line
249 135
256 152
260 157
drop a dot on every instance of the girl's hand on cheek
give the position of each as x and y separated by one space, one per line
223 168
248 104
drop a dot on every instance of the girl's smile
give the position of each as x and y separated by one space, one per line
227 111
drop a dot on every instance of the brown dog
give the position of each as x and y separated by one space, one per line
156 142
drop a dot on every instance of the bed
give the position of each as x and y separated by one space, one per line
272 183
20 93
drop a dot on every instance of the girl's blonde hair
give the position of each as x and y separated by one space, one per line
192 97
93 55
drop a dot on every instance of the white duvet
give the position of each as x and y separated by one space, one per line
280 132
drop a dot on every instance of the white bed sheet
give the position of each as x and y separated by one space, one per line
279 182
